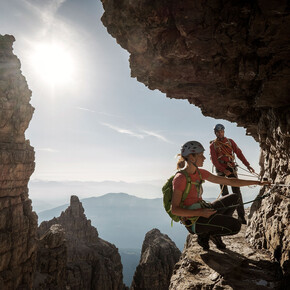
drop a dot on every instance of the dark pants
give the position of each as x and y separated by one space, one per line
221 223
225 191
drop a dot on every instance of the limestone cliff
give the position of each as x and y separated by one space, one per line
18 223
231 59
158 257
92 263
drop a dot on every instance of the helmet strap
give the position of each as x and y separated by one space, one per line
193 163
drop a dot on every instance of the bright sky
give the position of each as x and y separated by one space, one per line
92 121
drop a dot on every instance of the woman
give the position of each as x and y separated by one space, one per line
208 221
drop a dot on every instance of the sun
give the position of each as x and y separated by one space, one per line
53 63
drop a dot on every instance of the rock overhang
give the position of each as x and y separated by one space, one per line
230 59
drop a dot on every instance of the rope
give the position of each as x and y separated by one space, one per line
256 174
256 199
280 184
253 173
246 175
275 186
221 191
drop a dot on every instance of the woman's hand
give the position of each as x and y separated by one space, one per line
262 183
207 212
227 172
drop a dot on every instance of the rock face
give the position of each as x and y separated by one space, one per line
92 263
158 257
51 260
269 227
18 223
231 59
237 267
233 52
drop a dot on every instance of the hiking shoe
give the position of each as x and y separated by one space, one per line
217 240
242 220
202 240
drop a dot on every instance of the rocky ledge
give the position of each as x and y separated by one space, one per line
236 267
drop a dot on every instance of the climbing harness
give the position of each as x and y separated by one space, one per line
224 149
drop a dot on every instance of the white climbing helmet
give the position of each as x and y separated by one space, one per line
191 147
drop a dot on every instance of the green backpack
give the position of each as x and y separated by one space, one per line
167 190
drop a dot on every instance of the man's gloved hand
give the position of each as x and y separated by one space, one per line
251 169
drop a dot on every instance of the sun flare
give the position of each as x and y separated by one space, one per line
54 63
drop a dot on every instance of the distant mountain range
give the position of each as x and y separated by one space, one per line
50 194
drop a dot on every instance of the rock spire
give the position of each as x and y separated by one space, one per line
92 263
158 257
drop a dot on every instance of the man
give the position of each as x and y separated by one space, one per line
222 152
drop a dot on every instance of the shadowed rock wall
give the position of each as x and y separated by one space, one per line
18 223
269 227
51 260
231 59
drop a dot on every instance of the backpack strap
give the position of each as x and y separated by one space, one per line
198 186
189 183
201 180
187 188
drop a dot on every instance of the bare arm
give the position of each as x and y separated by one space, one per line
235 181
180 211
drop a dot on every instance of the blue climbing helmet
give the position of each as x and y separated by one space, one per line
191 147
219 127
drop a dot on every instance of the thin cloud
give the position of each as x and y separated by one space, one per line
45 12
50 150
123 131
138 135
99 112
108 114
84 109
55 5
156 135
